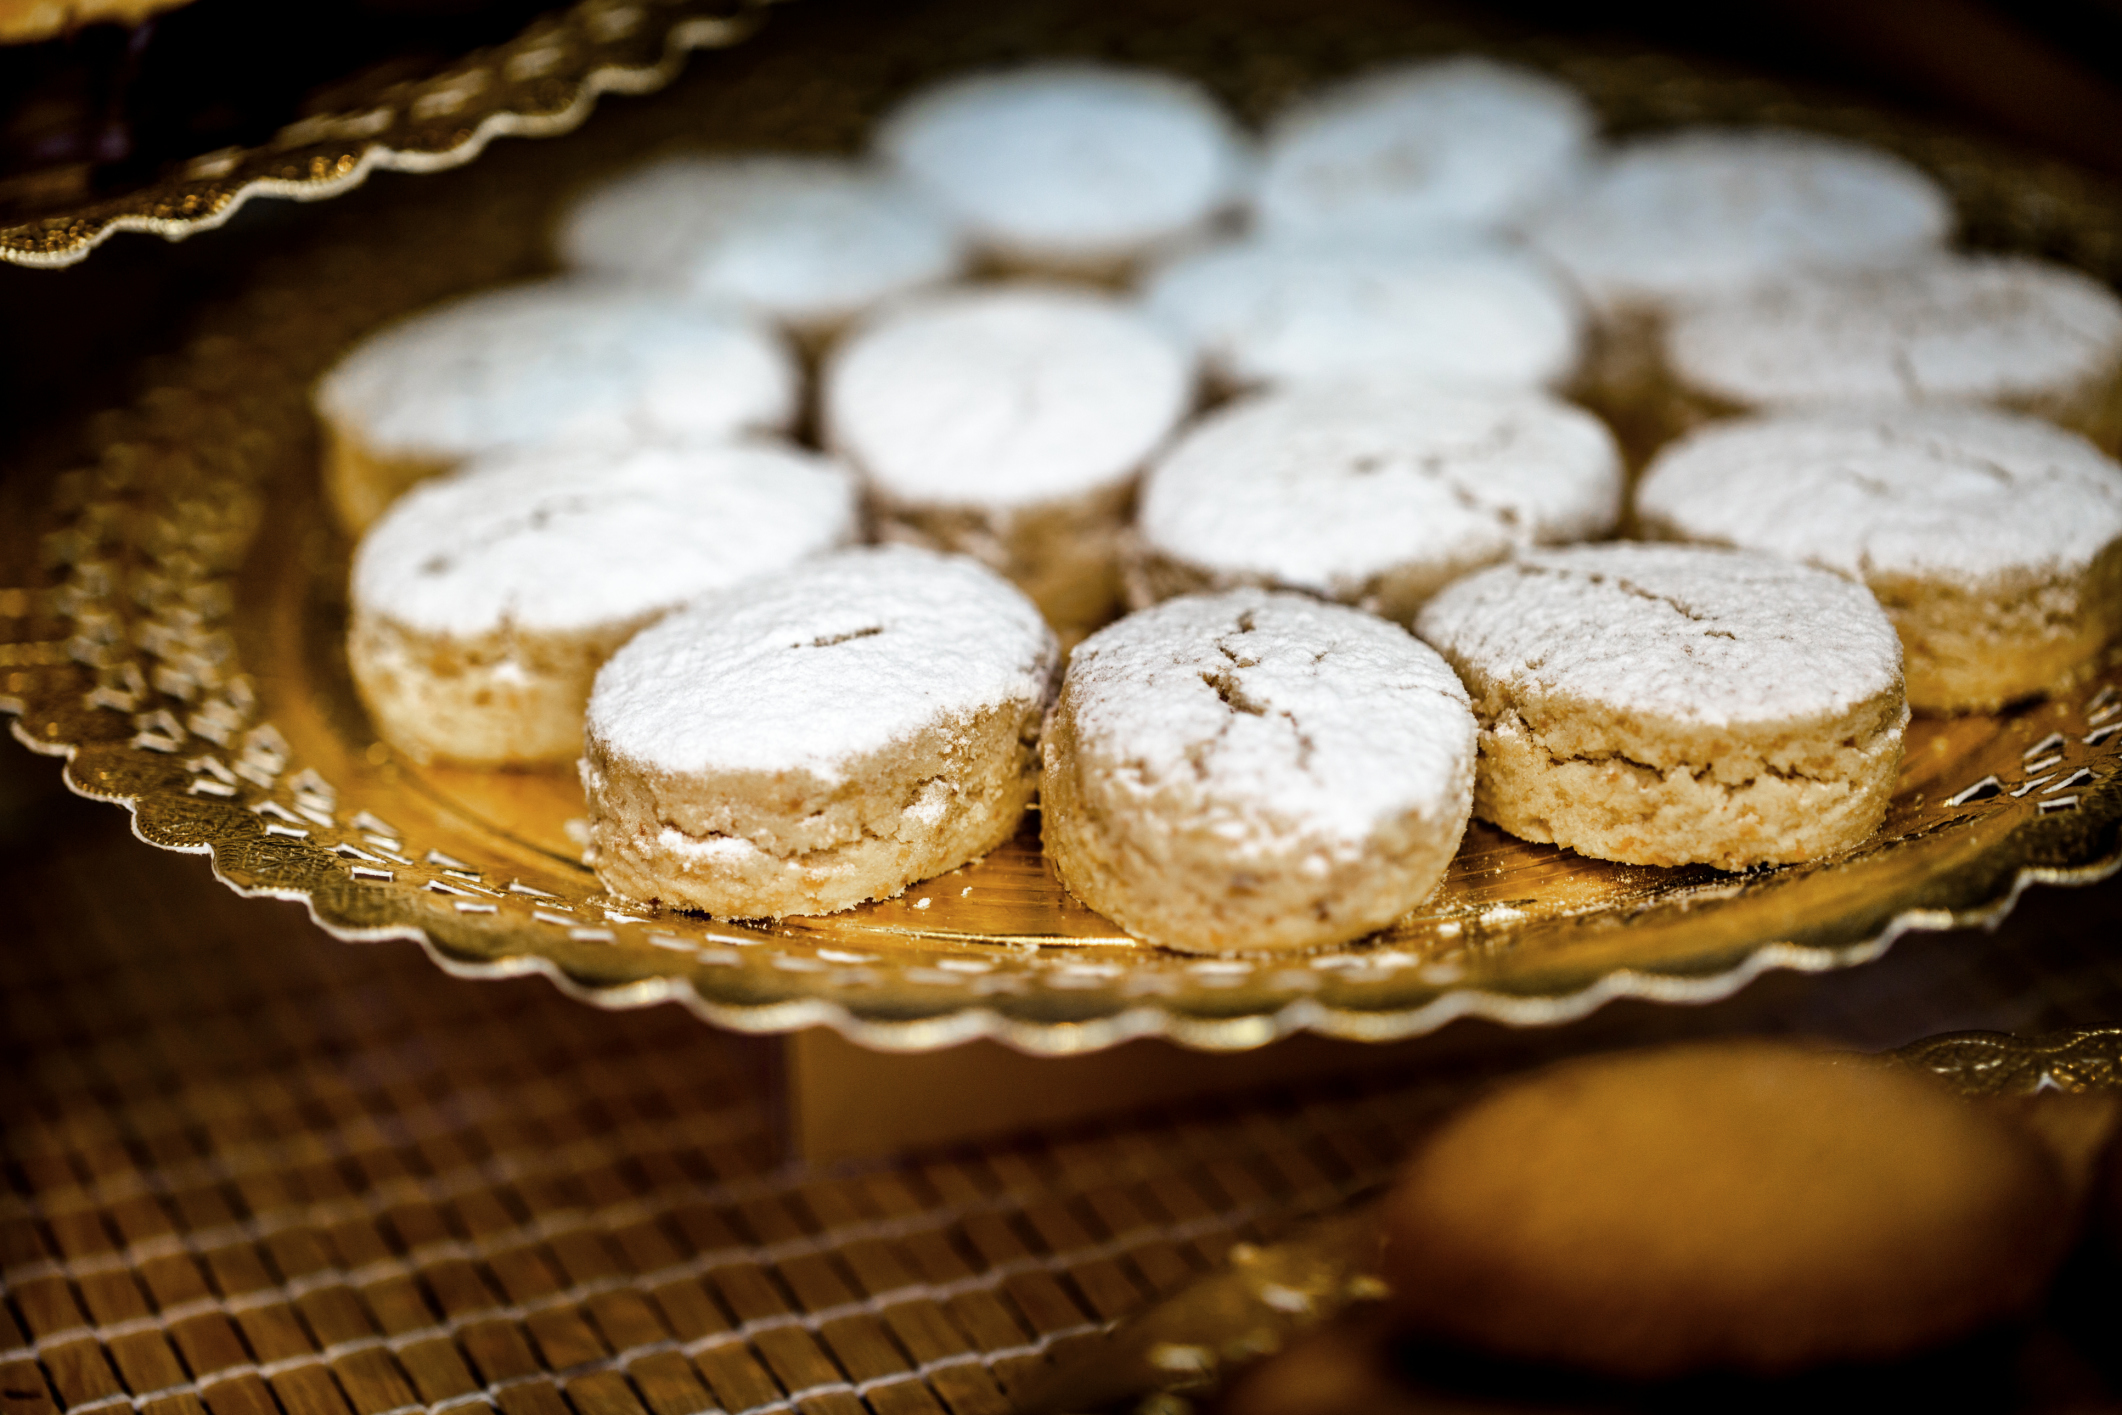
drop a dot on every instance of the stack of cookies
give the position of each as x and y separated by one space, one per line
1346 412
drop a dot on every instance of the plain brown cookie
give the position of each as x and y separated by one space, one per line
1747 1205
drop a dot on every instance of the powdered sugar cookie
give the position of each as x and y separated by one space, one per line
484 602
1009 423
807 241
1255 771
818 738
1710 210
1993 540
2002 330
1457 312
1668 705
1070 167
1371 495
1464 142
535 365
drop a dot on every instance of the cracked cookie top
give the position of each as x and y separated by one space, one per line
566 540
811 240
1452 310
1070 162
1328 489
1705 210
1671 634
1968 496
1275 713
1453 142
816 668
564 360
1956 328
1004 397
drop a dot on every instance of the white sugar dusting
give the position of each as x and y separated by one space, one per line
1686 634
1964 495
813 669
1070 161
1325 489
1956 328
1706 210
806 239
1453 142
1004 396
1291 715
564 360
579 539
1452 310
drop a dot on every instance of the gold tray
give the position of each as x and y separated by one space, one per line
180 643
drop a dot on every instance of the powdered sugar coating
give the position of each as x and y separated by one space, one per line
568 360
1963 495
1683 636
812 669
554 541
1951 329
1327 489
1278 716
1453 142
1702 211
809 240
1070 162
1004 396
1456 312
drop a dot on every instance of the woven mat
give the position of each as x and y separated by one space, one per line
254 1170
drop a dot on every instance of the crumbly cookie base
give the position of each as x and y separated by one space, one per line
360 483
1977 650
502 699
1153 863
1787 799
1065 554
762 845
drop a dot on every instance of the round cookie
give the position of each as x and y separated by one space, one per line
484 602
1254 770
1706 211
807 241
1075 168
1745 1206
818 738
1994 541
1452 311
1009 422
1672 705
1371 495
1463 142
2006 331
567 360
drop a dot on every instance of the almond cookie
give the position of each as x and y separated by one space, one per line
1704 212
1993 540
1009 422
1454 311
1464 142
2007 331
1072 168
1371 495
1672 705
558 361
807 241
484 602
818 738
1741 1206
1254 770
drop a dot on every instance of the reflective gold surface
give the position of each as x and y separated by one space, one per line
181 635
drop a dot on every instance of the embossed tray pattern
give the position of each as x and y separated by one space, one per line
180 642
